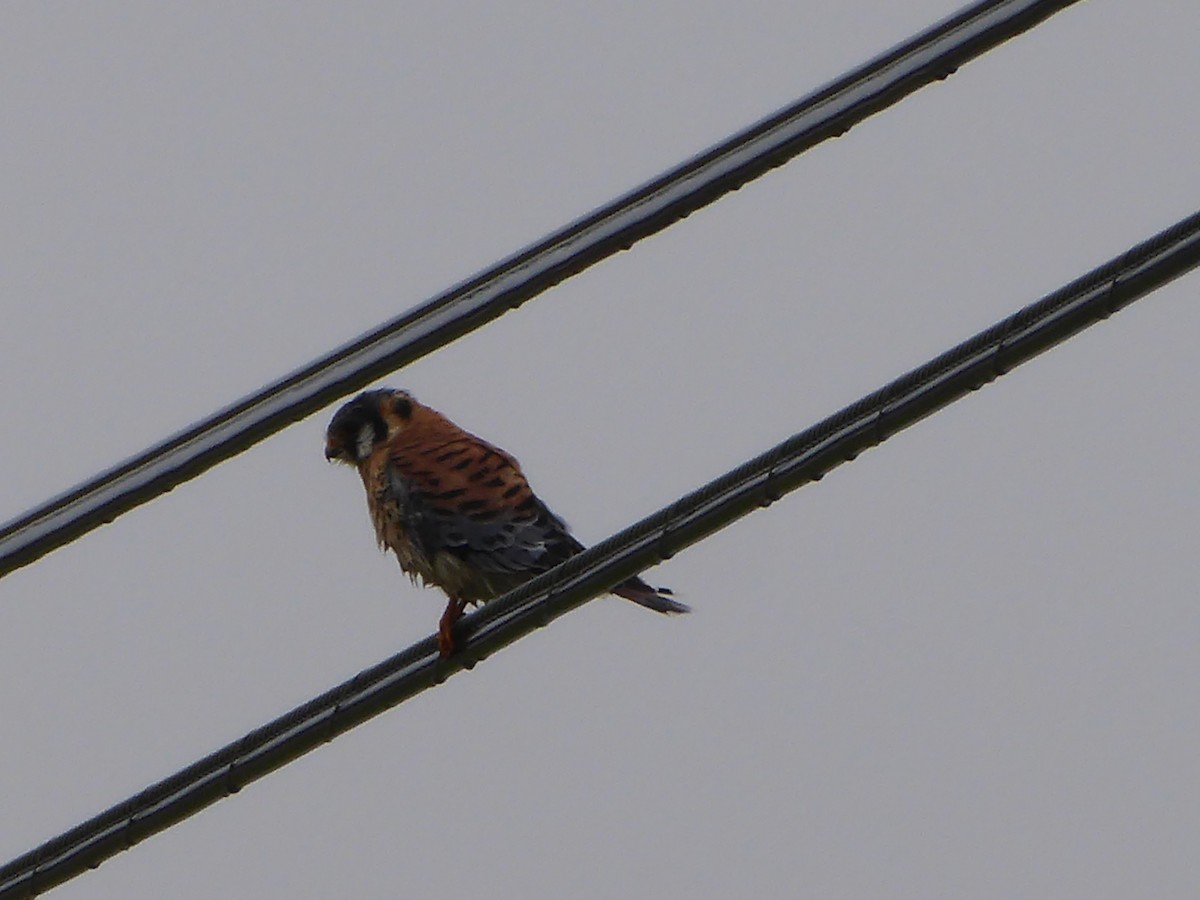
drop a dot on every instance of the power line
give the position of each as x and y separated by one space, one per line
805 457
829 112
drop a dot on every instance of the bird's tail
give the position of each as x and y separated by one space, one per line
657 599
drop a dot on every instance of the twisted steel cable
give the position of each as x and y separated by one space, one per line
829 112
803 458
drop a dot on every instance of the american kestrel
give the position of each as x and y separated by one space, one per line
457 511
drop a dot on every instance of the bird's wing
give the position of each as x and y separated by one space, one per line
470 499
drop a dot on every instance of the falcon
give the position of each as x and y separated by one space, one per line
456 510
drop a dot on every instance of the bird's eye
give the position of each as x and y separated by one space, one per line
403 407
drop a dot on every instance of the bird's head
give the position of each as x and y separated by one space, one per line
371 418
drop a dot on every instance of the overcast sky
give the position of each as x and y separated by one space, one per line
964 666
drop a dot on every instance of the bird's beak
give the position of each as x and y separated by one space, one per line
331 454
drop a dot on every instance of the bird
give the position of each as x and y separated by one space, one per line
457 511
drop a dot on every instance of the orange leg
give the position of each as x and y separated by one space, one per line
445 637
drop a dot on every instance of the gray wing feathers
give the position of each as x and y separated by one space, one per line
501 541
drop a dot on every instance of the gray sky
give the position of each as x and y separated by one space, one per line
964 665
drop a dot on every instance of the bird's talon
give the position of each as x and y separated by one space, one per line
445 636
445 642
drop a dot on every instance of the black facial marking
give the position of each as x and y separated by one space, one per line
349 421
